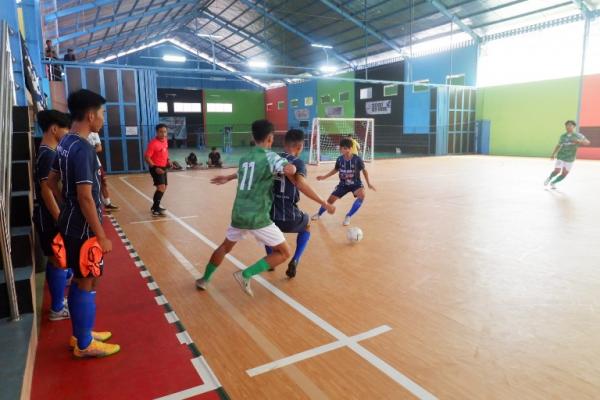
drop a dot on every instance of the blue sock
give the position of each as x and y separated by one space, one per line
57 281
301 243
82 305
69 273
269 250
321 211
355 207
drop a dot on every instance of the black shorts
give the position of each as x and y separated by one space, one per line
293 226
342 190
158 179
73 249
46 238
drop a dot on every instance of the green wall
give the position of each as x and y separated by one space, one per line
334 88
527 119
248 106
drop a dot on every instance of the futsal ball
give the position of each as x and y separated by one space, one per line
354 234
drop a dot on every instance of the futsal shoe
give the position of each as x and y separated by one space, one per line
161 209
59 315
99 336
552 186
244 283
291 271
111 207
96 349
346 221
315 217
547 181
157 213
201 284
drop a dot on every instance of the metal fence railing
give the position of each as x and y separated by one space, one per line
7 98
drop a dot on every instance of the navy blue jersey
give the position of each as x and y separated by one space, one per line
286 195
77 164
349 170
43 165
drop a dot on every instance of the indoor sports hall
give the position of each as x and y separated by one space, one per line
310 199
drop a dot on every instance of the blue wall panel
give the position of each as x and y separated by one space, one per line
435 67
301 91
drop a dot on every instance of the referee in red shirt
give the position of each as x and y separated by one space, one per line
157 157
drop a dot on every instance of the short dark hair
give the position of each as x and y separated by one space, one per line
69 50
214 148
83 101
261 129
294 136
346 143
161 126
571 122
47 118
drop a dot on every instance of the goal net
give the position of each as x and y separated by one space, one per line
327 133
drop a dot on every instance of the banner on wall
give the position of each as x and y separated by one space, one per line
379 107
334 111
302 114
175 126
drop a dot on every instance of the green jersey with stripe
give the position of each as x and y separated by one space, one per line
568 147
254 195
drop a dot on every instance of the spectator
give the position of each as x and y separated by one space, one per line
214 159
70 56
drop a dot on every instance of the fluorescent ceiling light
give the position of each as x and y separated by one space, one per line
258 64
327 68
173 58
321 46
124 53
208 35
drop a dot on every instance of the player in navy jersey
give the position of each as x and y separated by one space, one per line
286 195
348 166
54 125
80 220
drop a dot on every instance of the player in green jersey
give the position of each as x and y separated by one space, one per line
565 153
252 207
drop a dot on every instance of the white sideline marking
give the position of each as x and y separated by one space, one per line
184 337
316 351
161 300
161 219
208 377
145 274
152 286
171 317
378 363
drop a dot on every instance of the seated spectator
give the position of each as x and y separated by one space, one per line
70 56
214 159
192 161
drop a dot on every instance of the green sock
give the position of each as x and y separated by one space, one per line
553 174
256 268
210 269
559 178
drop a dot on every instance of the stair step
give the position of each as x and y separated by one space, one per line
20 208
20 175
21 146
21 246
25 287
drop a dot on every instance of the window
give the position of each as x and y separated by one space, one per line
294 103
308 101
366 93
390 90
421 86
269 107
219 107
455 80
325 99
163 106
280 105
187 107
344 96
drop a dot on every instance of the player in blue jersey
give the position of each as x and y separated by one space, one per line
80 220
286 195
54 125
348 166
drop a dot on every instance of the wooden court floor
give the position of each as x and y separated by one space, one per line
472 282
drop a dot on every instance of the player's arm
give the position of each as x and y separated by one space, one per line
88 209
302 184
148 157
52 184
582 141
98 147
558 146
327 175
366 174
49 199
223 179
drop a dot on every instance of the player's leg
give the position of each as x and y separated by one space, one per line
565 171
82 305
56 277
233 236
303 229
557 168
337 194
270 236
108 205
359 195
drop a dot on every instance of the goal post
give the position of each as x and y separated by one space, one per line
326 134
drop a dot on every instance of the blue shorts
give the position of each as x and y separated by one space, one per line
295 225
342 190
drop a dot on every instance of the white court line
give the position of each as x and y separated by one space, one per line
160 219
210 382
384 367
316 351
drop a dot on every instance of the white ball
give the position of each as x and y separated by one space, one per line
354 234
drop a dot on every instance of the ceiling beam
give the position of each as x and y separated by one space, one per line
585 9
338 9
444 10
77 9
262 11
120 21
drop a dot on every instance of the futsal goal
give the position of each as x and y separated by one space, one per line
327 133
